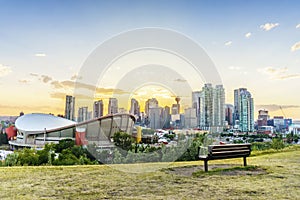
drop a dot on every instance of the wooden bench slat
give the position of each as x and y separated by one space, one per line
229 151
216 152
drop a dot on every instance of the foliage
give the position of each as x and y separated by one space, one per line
277 143
260 146
3 138
123 140
64 144
68 154
28 157
11 159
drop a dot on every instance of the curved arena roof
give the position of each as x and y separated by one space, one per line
37 122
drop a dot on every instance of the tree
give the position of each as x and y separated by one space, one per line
64 144
28 157
123 140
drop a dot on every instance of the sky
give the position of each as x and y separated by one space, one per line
44 44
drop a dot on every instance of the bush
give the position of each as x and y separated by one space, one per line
123 140
28 157
11 159
3 139
64 144
66 157
277 143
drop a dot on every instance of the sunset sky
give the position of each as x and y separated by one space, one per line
43 45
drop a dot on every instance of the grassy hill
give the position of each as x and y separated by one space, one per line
271 176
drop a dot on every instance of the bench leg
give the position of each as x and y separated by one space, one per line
245 161
205 165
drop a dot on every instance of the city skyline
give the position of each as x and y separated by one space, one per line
44 44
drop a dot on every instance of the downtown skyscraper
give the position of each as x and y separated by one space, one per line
98 109
70 108
209 107
243 110
134 107
112 106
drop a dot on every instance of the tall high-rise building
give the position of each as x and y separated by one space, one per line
166 117
263 117
206 106
229 114
82 114
134 108
243 110
150 103
218 107
98 109
209 106
155 118
190 118
112 106
70 108
196 102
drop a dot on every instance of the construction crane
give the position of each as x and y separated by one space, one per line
282 112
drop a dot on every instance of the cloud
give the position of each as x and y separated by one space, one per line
4 70
33 74
298 26
295 47
40 55
228 43
278 73
31 108
46 78
234 68
62 96
248 35
269 26
273 71
24 81
75 77
71 85
275 107
180 80
288 76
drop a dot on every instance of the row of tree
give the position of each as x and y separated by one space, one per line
63 153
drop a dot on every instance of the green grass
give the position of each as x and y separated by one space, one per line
148 181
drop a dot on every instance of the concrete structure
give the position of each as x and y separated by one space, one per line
155 118
244 110
196 102
36 130
98 109
210 105
166 117
263 117
265 130
190 118
82 114
134 108
218 106
229 114
112 106
176 107
69 108
150 103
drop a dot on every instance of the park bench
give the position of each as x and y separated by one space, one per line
225 151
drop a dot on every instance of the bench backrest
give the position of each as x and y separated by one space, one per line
229 151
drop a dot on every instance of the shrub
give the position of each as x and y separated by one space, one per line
277 143
28 157
11 159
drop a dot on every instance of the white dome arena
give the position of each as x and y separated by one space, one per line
37 122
